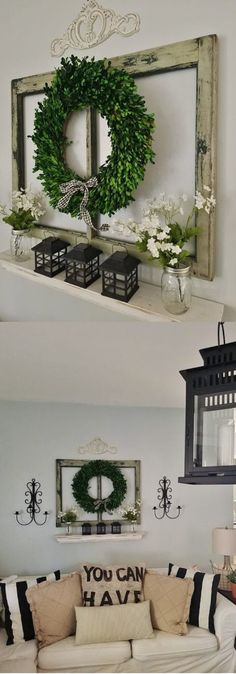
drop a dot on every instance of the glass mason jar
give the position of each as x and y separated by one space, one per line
20 244
176 289
132 525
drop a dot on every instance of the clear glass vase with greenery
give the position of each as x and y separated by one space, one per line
27 208
68 517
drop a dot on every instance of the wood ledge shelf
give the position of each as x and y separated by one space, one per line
98 538
145 305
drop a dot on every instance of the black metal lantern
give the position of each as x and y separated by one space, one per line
82 265
101 528
116 528
210 431
86 529
120 276
50 256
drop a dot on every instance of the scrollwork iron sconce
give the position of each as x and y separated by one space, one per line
33 501
164 496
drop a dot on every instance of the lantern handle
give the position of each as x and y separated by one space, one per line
221 328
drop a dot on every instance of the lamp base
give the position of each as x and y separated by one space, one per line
224 583
227 564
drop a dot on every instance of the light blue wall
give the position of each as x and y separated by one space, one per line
34 435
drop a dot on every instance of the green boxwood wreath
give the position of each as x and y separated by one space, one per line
112 92
80 486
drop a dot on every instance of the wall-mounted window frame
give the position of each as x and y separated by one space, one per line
198 53
62 464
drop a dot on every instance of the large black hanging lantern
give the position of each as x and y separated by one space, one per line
82 265
50 256
210 427
120 276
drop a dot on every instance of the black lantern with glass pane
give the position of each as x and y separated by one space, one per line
120 276
82 265
210 427
86 529
101 528
50 256
116 528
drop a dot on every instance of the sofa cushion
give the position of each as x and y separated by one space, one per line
66 655
101 624
171 645
52 606
169 600
107 585
203 602
18 618
20 657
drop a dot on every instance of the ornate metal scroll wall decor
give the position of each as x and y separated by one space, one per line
94 25
164 496
97 446
33 501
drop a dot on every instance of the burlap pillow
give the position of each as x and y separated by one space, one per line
107 585
113 623
52 606
169 601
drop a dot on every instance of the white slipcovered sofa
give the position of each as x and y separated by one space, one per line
198 651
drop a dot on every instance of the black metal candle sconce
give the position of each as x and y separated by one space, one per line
33 501
164 496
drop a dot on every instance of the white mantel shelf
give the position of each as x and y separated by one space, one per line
146 304
99 538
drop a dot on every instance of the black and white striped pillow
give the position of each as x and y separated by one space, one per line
203 602
18 618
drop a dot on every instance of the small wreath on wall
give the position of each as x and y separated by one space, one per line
79 84
80 487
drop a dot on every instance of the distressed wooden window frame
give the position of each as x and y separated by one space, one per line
97 517
198 53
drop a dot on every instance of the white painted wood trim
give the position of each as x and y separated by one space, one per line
98 538
145 305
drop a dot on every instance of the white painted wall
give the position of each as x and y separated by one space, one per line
26 30
33 435
22 300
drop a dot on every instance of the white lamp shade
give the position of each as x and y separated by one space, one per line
224 541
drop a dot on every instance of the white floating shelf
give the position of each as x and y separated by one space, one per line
146 304
98 538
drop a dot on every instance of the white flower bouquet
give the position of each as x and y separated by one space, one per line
160 233
68 516
27 208
130 512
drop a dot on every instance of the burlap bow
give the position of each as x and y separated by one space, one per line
73 186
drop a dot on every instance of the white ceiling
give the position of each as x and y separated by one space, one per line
101 363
